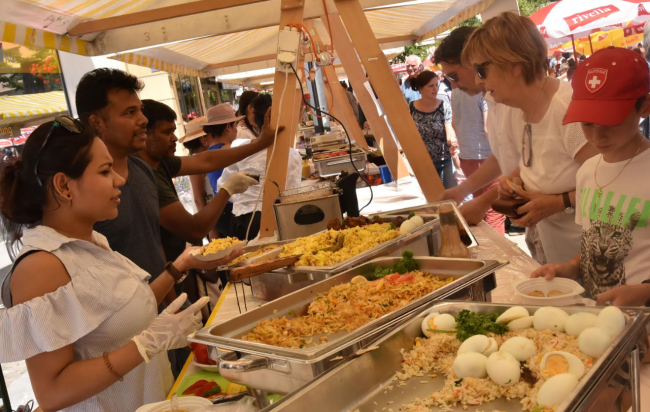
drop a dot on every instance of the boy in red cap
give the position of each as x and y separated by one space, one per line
610 96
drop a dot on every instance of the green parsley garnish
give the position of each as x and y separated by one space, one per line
405 265
469 324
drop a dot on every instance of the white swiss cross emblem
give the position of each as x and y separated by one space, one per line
595 79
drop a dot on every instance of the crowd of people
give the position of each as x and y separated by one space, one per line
99 278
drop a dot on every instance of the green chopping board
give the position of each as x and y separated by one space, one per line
191 379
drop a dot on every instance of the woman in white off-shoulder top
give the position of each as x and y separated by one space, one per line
84 317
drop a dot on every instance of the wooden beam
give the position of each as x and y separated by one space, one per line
155 15
408 37
240 61
382 78
291 12
357 78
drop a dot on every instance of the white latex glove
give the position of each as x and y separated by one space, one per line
170 329
238 183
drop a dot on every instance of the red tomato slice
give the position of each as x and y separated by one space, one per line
404 279
392 278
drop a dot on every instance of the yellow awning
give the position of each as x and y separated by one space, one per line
469 12
27 36
150 62
16 109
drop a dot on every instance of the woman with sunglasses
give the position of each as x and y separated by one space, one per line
508 54
433 119
84 317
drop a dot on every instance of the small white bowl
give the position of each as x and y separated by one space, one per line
207 368
571 288
190 403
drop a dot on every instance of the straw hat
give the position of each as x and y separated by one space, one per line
194 129
221 114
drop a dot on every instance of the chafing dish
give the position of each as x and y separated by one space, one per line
422 242
431 210
282 370
372 373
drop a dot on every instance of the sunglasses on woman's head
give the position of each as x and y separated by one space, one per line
70 124
480 69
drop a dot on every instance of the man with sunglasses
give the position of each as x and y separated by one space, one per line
499 126
413 68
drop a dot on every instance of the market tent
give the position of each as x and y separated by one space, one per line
22 108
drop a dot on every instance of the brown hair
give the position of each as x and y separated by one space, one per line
507 40
423 79
21 197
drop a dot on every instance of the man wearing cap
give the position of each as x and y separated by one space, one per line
179 227
610 96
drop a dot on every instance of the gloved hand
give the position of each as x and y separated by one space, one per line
238 183
170 329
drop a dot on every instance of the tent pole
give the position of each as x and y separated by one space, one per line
575 52
591 46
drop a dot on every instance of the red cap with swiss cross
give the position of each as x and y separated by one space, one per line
606 87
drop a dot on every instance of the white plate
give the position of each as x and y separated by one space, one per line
191 403
217 255
572 290
208 368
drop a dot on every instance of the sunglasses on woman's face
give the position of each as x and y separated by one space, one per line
453 77
70 124
480 69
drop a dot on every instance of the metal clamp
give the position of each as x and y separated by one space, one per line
248 363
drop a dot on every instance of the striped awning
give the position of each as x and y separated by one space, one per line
27 36
156 64
467 13
17 109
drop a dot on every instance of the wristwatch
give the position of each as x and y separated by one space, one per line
178 276
568 209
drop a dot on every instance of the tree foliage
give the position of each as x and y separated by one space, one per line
528 7
35 70
417 49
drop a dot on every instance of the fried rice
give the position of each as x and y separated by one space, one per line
345 307
437 354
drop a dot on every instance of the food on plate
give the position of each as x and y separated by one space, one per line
357 240
438 321
346 307
536 294
550 318
358 280
519 347
594 341
405 265
203 389
611 320
201 354
470 324
553 293
555 363
407 227
556 390
578 322
417 220
521 323
470 364
539 367
253 254
219 244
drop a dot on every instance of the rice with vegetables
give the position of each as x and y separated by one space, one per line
357 240
346 307
437 354
219 244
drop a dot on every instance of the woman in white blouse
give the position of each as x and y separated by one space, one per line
84 317
508 54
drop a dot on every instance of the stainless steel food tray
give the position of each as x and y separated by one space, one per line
364 383
334 166
295 367
432 206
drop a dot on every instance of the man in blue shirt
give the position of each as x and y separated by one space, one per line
413 68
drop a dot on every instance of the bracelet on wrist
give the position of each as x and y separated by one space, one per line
110 367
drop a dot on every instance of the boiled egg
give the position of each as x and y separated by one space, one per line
611 320
515 312
555 363
594 341
417 220
521 323
470 364
519 347
442 321
578 322
407 227
479 344
555 390
550 318
503 368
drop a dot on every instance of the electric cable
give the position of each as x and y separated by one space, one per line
302 91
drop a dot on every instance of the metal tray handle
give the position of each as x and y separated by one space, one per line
248 363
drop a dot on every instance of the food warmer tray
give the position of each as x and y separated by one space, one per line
269 286
431 209
282 370
373 372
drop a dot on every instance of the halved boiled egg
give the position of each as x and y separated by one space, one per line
407 227
441 321
479 344
550 318
503 368
612 320
470 364
519 347
555 363
578 322
555 390
417 220
521 323
594 341
513 313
